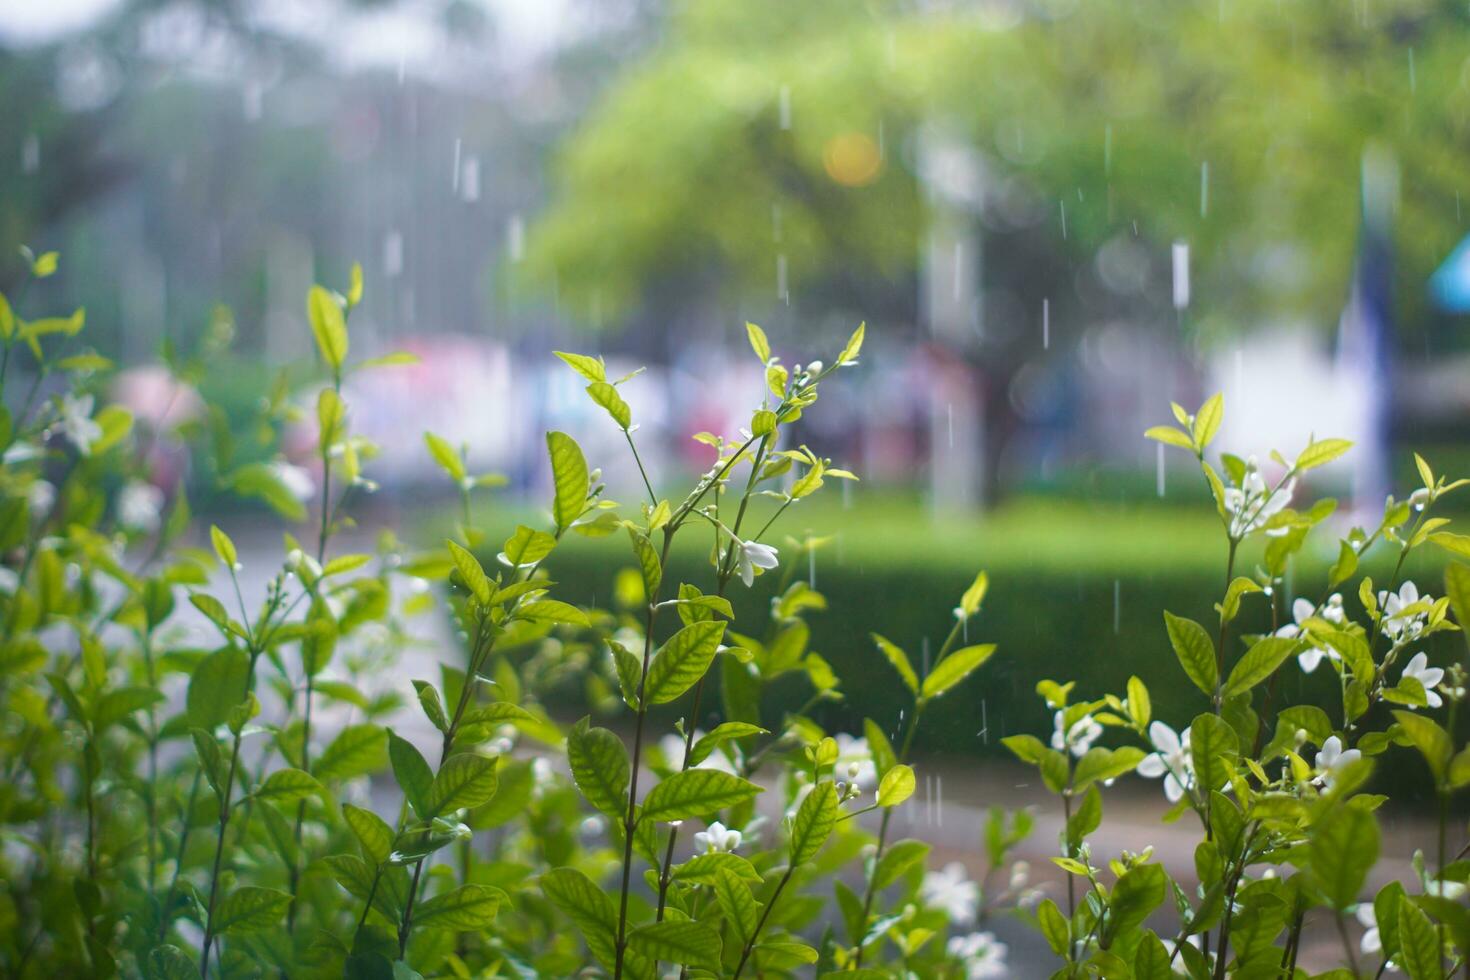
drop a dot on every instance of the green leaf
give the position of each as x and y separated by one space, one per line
372 832
736 903
1215 749
600 767
288 786
464 781
210 760
1195 651
652 568
553 611
900 661
526 547
722 733
899 857
433 707
250 909
955 668
216 686
449 460
1457 587
1321 452
1100 765
579 898
1138 892
1419 951
171 963
758 342
975 595
696 793
896 786
1259 663
682 661
588 367
263 482
1207 420
814 821
854 345
119 703
689 943
1342 848
763 423
466 908
1432 741
471 573
1058 933
607 396
1151 959
328 326
413 774
569 476
884 758
356 751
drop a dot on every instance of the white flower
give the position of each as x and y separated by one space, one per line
140 506
754 555
984 958
717 838
856 760
1301 611
950 891
1079 737
295 479
1398 624
1451 890
1332 759
672 747
1419 669
1171 759
1253 503
41 495
77 423
1372 942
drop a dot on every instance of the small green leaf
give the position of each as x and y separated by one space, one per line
955 668
854 345
328 326
696 793
736 903
689 943
1321 452
288 786
569 475
1432 741
1342 847
413 774
607 396
1259 663
758 342
579 898
250 909
600 767
1207 420
1419 949
1170 436
813 822
682 661
464 781
444 454
471 573
1195 651
896 786
224 548
466 908
372 832
900 661
588 367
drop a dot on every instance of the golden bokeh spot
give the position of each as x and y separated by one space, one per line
852 159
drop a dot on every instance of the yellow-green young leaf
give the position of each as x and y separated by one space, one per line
590 368
553 611
471 572
722 733
758 342
116 422
288 786
896 860
648 561
372 832
682 661
1140 707
7 319
1170 436
1455 544
1215 749
45 264
600 767
1457 588
776 378
527 547
1259 663
688 943
854 345
900 661
1100 765
444 454
224 548
737 904
607 396
328 326
250 909
975 595
330 414
813 822
569 476
464 782
1425 473
581 900
1341 849
432 704
696 793
354 285
955 668
896 786
1195 651
466 908
763 423
1207 420
1322 452
85 362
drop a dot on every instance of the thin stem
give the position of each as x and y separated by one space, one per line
219 853
1347 945
760 923
647 484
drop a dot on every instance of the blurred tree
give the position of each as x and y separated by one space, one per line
1239 126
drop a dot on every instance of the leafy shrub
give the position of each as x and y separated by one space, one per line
178 809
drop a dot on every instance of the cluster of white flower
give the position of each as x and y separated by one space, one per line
952 892
1332 758
1418 668
1253 503
1078 737
717 839
1401 621
983 956
1171 759
1301 611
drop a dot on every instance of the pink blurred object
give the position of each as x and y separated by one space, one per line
154 396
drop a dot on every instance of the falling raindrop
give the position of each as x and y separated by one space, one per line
515 237
785 106
924 655
1159 469
469 187
1413 87
30 155
393 253
1046 324
1117 604
1204 189
781 290
950 410
454 172
252 100
939 800
984 731
1180 255
1063 206
811 567
959 266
